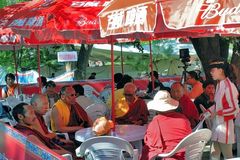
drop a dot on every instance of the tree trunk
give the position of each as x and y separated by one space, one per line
209 48
68 66
235 61
82 63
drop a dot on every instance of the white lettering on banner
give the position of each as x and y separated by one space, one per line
32 22
8 38
3 22
115 20
213 10
135 16
67 56
18 22
12 38
84 21
106 3
89 4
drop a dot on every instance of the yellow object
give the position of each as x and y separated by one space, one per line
64 114
102 126
121 106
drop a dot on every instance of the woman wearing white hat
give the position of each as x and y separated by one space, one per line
166 129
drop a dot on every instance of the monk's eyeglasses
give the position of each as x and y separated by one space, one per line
128 95
72 95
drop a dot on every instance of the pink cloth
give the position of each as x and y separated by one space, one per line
164 132
189 109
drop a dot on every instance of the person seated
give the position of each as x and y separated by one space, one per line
26 118
92 93
118 94
51 92
157 84
5 115
166 129
206 99
104 95
133 110
11 88
81 99
186 106
92 76
67 116
42 81
196 85
40 106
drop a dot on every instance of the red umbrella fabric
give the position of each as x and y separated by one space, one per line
66 14
66 19
167 18
39 20
208 13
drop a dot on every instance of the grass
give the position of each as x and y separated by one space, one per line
134 64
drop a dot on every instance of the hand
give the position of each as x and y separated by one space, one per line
205 115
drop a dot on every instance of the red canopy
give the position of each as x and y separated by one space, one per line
60 21
168 18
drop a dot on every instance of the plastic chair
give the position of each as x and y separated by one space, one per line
105 148
47 121
199 125
97 110
193 144
12 101
208 121
67 156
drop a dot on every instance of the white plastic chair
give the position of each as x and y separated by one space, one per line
12 101
105 148
97 110
47 121
193 144
199 125
67 156
208 121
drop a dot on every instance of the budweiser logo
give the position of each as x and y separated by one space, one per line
215 9
89 3
8 38
83 21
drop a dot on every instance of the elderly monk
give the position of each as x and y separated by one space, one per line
186 106
67 116
135 109
40 106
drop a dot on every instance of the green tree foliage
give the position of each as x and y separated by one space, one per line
4 3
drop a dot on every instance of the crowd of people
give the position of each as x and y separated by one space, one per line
65 112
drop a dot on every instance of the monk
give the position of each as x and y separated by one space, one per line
67 116
136 110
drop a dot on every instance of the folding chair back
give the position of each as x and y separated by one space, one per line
105 148
97 110
193 144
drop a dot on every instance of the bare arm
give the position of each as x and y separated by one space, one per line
59 123
4 95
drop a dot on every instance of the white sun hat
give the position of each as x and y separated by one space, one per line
162 102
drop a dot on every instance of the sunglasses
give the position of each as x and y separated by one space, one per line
72 95
128 95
